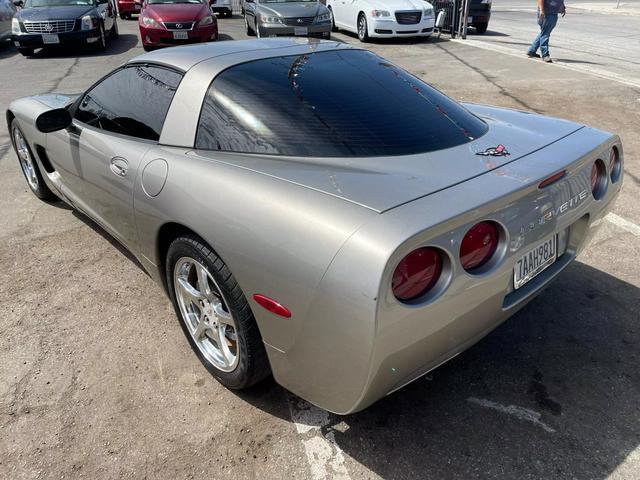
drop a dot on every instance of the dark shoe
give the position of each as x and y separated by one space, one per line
547 59
533 55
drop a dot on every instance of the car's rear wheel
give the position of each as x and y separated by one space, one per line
28 164
481 27
363 32
250 31
215 314
27 52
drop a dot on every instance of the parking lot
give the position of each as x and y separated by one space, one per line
98 381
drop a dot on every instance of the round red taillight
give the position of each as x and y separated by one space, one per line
597 178
614 164
416 273
478 245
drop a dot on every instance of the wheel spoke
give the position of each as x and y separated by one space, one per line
223 317
189 291
203 281
201 329
223 344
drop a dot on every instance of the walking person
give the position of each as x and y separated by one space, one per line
548 11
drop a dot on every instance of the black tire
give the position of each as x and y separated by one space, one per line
114 33
123 16
333 23
228 14
253 364
101 44
249 30
481 27
147 48
363 28
26 52
41 191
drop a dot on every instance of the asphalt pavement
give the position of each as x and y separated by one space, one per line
98 381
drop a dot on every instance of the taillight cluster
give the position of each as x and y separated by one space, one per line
615 165
419 271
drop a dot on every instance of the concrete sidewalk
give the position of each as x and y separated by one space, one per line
610 8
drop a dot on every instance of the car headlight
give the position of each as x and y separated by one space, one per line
428 13
15 25
150 22
324 17
380 13
269 19
88 23
208 20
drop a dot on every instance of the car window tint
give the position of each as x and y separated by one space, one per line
338 103
133 101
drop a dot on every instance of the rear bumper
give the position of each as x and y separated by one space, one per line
480 13
34 40
358 343
275 30
156 37
128 7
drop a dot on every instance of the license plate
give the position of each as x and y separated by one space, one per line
535 261
180 35
300 30
50 39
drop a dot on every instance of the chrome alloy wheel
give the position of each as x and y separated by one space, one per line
362 27
26 162
205 314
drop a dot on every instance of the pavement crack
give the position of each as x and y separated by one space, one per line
59 80
491 79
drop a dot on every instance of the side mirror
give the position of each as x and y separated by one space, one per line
53 120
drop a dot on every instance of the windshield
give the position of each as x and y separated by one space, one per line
57 3
156 2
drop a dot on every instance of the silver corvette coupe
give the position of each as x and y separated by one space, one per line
316 212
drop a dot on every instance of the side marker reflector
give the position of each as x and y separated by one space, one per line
271 305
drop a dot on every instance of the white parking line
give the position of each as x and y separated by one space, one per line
520 413
324 455
623 223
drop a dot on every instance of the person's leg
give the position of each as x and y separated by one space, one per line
548 25
536 42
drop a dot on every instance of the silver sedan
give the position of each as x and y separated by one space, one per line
316 212
272 18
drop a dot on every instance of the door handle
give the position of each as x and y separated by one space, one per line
119 166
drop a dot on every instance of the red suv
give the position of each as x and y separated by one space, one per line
164 23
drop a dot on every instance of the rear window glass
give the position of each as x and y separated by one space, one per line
337 103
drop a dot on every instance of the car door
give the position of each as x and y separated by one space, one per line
115 123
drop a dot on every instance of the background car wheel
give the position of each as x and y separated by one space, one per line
27 52
215 314
481 27
123 16
28 164
147 48
114 33
363 32
101 44
250 31
333 23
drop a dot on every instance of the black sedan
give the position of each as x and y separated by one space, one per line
47 23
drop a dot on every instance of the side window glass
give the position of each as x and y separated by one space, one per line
132 101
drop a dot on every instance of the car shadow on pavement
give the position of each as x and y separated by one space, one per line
122 44
7 49
551 393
